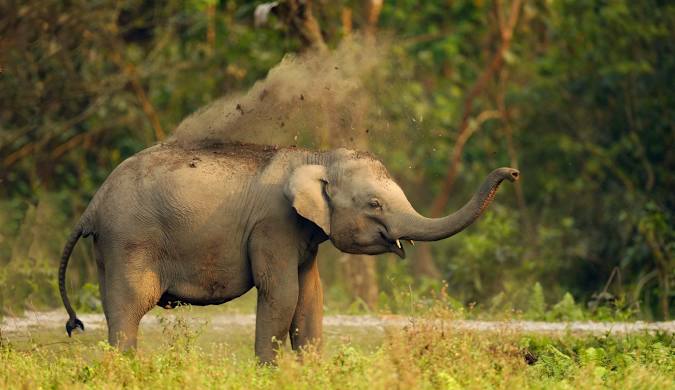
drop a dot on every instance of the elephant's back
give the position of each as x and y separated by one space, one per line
210 157
174 186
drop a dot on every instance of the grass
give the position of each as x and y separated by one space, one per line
184 352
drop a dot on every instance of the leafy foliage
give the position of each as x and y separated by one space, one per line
423 355
581 101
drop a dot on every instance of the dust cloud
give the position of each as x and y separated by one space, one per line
316 100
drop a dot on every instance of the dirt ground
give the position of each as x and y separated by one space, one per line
55 320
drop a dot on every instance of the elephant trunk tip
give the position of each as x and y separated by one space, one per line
510 174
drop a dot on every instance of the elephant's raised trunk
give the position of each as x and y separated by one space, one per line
418 227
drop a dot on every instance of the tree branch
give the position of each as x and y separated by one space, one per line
211 25
506 34
29 148
130 71
301 19
513 156
372 9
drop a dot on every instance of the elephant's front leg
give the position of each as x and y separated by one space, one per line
307 324
277 299
275 273
273 319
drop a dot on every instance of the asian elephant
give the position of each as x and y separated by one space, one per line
204 225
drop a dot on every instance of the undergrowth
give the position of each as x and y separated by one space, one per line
425 354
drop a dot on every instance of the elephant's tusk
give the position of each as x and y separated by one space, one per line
398 244
412 242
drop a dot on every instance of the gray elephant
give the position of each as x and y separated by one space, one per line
205 225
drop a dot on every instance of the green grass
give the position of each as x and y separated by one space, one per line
184 352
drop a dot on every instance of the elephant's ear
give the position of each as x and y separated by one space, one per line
305 191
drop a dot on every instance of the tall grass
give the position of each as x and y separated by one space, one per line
428 354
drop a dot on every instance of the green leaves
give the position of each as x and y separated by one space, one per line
585 90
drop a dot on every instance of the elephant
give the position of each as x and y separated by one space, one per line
204 224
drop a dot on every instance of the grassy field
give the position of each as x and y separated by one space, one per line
184 351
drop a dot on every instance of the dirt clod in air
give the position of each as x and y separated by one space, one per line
314 100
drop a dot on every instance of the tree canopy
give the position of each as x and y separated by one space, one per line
578 95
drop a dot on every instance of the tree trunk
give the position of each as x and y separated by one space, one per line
439 204
360 270
423 264
360 273
300 17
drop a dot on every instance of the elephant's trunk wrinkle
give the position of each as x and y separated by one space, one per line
488 199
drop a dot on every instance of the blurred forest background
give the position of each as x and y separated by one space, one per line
577 94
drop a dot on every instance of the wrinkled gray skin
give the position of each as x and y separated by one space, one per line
204 226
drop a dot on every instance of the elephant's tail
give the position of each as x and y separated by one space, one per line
73 321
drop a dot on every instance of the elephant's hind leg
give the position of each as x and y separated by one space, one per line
307 325
100 265
132 287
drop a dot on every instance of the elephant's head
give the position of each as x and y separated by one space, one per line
361 209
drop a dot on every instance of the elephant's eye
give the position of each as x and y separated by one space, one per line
374 203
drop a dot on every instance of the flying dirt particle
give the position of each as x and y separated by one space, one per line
241 110
193 162
282 124
302 97
367 131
